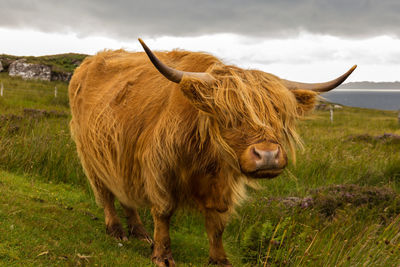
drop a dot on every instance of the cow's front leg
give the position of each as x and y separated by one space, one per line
162 255
215 225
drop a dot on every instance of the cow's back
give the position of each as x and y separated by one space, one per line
115 77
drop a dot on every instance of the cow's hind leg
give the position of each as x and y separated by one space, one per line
113 224
105 199
135 225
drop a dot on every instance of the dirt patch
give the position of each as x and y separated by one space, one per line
384 138
40 113
10 118
13 122
328 199
32 113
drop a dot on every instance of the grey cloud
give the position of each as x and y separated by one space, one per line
130 19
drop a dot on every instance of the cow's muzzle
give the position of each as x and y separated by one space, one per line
263 160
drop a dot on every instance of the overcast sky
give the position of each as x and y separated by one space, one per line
306 40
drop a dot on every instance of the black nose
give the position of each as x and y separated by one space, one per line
266 159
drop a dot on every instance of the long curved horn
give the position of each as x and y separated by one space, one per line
318 87
170 73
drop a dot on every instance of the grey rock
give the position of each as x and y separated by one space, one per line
61 76
337 107
1 67
29 70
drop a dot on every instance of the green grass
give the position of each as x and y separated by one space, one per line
52 225
19 94
46 207
34 143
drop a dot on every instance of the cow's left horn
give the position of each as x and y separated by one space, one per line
318 87
170 73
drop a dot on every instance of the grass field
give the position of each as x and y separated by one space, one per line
338 205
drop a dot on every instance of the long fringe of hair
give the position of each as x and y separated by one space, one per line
249 98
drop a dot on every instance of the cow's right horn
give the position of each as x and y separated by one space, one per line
318 87
170 73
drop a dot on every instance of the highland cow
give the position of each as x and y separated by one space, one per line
181 129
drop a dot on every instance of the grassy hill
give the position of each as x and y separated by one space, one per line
59 63
337 206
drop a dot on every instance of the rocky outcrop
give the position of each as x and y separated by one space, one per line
36 71
1 67
49 68
29 70
61 76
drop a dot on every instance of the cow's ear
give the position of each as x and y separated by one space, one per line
199 93
306 100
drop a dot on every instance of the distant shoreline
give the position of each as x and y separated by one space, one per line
368 89
370 85
381 99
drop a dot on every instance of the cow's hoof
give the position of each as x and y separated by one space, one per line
116 230
224 262
138 231
164 261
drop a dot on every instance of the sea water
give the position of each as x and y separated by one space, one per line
384 99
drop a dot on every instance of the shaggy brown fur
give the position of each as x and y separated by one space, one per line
148 141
